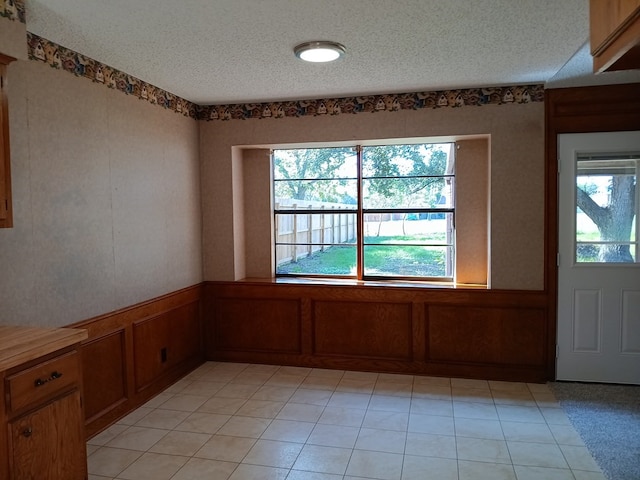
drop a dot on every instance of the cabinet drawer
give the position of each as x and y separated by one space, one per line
43 380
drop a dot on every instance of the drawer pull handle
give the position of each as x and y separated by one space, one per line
54 375
27 432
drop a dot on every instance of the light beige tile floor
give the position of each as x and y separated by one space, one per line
245 422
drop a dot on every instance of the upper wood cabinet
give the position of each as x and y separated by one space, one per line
615 34
6 216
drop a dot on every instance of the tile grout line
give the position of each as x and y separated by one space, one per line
385 385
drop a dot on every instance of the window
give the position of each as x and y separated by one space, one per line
365 212
607 229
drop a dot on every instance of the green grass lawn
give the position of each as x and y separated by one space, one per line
380 259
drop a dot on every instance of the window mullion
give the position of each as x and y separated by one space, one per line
360 219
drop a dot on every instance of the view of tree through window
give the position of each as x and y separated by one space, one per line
365 211
606 217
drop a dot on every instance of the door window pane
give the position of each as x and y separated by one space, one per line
606 209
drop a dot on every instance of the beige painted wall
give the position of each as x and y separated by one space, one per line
258 215
472 210
516 234
238 204
106 199
13 36
117 201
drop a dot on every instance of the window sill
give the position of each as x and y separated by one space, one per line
364 283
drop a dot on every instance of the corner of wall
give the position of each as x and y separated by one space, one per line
472 203
258 219
238 208
13 38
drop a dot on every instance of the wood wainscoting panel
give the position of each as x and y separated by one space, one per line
486 335
105 383
424 330
122 358
363 329
257 325
164 341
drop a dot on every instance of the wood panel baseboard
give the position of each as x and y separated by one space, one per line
376 330
107 379
473 333
134 353
282 315
487 335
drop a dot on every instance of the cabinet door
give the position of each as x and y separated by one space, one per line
607 19
48 444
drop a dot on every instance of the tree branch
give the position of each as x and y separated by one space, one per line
588 206
422 186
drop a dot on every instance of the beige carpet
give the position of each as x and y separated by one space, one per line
607 417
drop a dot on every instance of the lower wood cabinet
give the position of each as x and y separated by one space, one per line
49 443
42 434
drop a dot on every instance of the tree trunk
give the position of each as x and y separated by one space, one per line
614 221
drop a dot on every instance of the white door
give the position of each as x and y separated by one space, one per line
599 261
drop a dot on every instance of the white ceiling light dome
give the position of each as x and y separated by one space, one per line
319 51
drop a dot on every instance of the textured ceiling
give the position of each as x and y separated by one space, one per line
239 51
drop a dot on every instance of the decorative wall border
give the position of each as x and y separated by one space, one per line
13 10
62 58
376 103
56 56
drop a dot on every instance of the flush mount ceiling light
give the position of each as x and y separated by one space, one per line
319 51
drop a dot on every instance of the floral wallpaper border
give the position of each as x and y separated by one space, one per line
376 103
56 56
13 10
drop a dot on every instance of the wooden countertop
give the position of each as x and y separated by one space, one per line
22 344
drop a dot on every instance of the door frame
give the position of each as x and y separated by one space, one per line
606 108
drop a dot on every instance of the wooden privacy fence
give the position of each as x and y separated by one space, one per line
299 235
